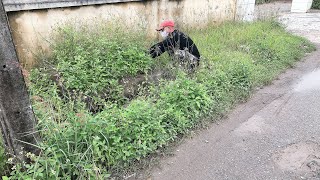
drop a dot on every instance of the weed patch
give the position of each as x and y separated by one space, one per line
316 4
263 1
89 63
3 160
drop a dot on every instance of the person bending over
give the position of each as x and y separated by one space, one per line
178 45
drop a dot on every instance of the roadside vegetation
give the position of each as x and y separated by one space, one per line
263 1
92 129
316 4
3 159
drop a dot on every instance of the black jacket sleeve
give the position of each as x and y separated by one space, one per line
159 48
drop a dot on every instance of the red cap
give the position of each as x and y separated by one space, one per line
164 24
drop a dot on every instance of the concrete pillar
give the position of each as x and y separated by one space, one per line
17 121
301 6
245 10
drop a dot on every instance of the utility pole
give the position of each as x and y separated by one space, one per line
17 120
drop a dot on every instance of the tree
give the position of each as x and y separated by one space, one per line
16 114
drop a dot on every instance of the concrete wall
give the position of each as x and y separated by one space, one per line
301 6
245 10
31 29
19 5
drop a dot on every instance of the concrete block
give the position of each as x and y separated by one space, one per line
245 10
301 6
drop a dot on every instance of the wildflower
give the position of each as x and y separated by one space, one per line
10 160
30 155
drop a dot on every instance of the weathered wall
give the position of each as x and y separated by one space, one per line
245 10
20 5
301 6
31 29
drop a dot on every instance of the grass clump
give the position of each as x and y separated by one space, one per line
79 143
263 1
316 4
3 159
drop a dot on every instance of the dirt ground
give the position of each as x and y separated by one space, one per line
275 135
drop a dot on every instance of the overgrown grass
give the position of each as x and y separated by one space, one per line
89 63
79 143
3 159
263 1
316 4
264 45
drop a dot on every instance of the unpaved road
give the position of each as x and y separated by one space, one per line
275 135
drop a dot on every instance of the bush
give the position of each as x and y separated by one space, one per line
316 4
85 146
3 159
90 63
262 1
182 103
79 145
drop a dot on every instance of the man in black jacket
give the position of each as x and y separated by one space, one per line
177 44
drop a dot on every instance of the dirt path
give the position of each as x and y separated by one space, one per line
275 135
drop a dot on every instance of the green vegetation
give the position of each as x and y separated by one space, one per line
114 132
262 1
316 4
3 159
89 63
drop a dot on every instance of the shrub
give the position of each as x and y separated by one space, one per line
3 159
262 1
67 151
91 62
79 145
182 103
316 4
132 132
